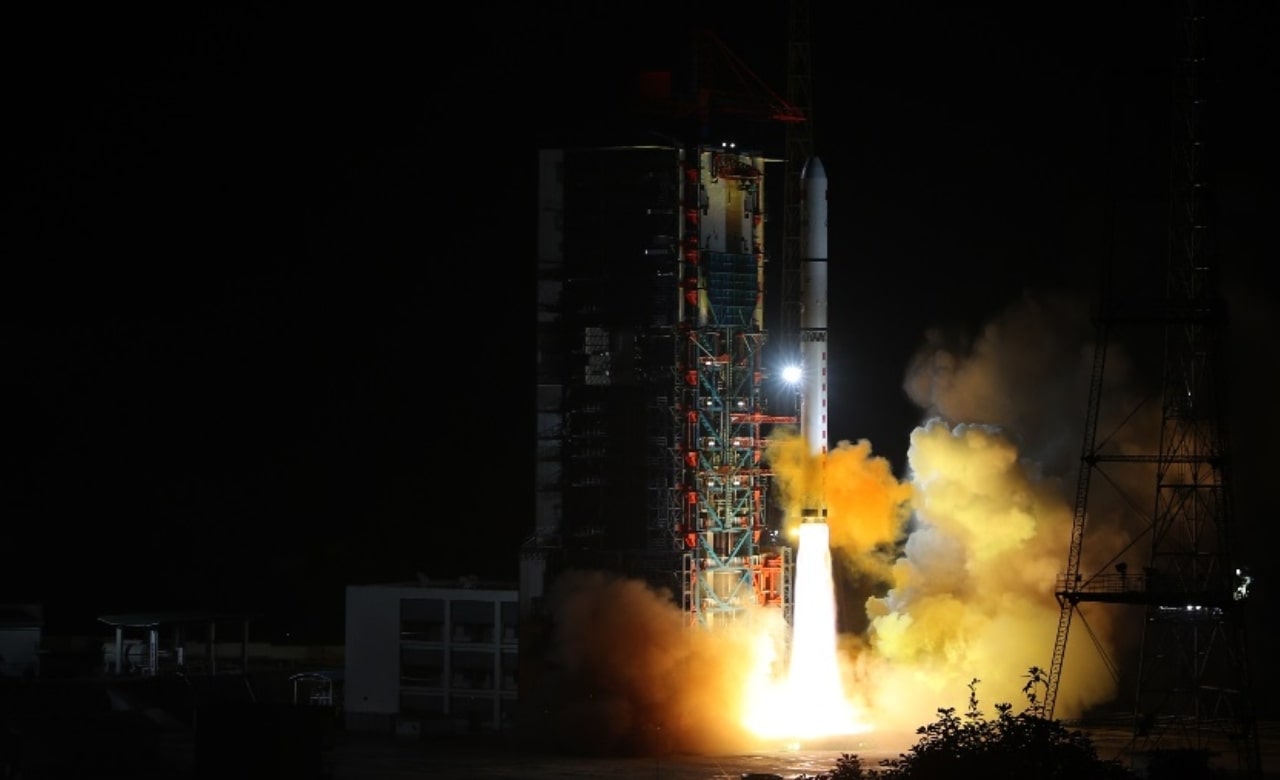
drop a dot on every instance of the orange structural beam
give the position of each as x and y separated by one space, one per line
766 580
753 417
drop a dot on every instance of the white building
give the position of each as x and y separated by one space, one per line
431 657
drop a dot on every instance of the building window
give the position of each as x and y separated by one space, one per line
422 666
510 622
472 621
422 619
471 670
510 672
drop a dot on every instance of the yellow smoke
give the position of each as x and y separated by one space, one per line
628 675
972 594
969 592
866 504
969 545
964 552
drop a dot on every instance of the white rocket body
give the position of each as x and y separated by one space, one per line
813 320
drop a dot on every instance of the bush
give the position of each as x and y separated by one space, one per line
1012 745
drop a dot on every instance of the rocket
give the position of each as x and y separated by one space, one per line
813 327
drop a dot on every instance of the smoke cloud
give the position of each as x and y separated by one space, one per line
1026 373
963 552
972 594
627 676
992 471
867 507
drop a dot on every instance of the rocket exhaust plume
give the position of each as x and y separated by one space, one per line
813 685
814 681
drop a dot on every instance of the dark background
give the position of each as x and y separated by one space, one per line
267 284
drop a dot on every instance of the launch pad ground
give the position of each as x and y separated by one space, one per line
362 756
68 731
383 758
380 757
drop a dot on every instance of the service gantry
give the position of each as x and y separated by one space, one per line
730 565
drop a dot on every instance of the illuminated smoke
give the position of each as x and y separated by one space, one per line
968 546
626 675
992 472
818 697
867 506
972 594
1026 373
963 553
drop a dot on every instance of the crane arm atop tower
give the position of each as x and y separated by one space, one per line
722 84
768 103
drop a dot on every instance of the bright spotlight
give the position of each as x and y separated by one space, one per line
791 374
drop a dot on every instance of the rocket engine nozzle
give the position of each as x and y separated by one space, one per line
813 515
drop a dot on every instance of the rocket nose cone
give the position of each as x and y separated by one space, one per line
813 169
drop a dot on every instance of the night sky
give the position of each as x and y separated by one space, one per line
267 293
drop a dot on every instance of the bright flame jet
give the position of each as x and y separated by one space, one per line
813 695
814 682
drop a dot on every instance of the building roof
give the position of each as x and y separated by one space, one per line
21 616
320 675
457 583
150 619
448 586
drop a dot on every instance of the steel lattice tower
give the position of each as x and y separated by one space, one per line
1190 691
723 481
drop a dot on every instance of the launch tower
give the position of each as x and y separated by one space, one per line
1191 697
652 408
652 418
722 420
608 270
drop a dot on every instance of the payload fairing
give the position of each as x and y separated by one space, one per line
813 326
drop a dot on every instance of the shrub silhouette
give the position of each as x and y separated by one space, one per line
1010 745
